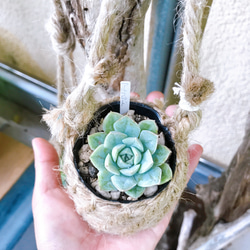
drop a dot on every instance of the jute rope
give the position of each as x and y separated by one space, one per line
63 41
194 89
68 122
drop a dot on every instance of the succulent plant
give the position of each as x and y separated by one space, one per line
128 156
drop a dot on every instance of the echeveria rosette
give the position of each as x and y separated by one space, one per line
127 155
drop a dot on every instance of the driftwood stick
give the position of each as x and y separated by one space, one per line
186 228
228 197
235 198
223 234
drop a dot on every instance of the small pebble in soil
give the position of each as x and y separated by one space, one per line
161 139
149 191
93 130
100 128
115 195
94 184
80 164
131 199
84 170
92 171
84 153
103 193
131 114
124 197
138 118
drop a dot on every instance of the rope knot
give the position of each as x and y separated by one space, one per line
192 94
198 90
183 103
62 36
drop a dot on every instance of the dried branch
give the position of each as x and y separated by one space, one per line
228 197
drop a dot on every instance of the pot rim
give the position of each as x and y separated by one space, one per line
141 109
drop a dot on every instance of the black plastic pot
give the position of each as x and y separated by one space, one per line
140 109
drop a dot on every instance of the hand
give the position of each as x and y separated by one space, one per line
58 226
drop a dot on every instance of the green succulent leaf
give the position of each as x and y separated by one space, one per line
122 164
166 173
113 138
150 178
127 126
104 180
161 155
109 120
146 162
133 142
98 157
130 171
149 125
123 183
135 192
64 179
137 155
149 140
111 166
127 156
116 150
96 140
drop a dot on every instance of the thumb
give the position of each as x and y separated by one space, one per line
47 174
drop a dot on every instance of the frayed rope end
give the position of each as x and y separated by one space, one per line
194 93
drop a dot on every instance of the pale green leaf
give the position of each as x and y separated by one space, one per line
146 162
98 157
161 155
109 121
135 192
116 150
127 156
113 138
137 155
133 142
166 173
123 183
111 166
104 180
149 140
150 178
149 125
96 140
122 164
130 171
127 126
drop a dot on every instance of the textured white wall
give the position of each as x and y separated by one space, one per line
24 42
225 59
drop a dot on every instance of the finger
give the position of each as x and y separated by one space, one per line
154 96
194 152
47 175
170 110
134 94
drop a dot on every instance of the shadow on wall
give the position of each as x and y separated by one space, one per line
14 54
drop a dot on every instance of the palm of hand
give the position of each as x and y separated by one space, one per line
58 226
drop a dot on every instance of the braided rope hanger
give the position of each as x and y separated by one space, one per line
69 121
